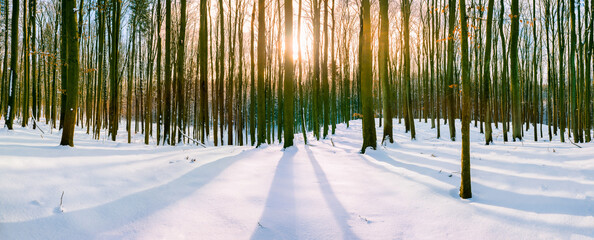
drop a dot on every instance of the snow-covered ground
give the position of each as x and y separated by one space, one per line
326 190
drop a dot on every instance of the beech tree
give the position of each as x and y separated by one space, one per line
369 136
70 76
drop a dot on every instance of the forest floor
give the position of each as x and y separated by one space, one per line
326 190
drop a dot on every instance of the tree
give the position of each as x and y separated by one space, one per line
148 111
252 81
333 110
383 52
101 9
35 79
561 95
114 79
14 52
325 87
167 93
515 87
316 68
130 79
181 69
220 119
487 75
159 85
504 76
451 86
288 84
4 84
70 37
261 63
408 101
369 136
465 187
203 66
24 86
572 72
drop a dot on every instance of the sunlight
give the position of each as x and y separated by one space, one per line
303 45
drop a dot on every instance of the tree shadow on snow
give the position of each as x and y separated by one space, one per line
340 214
482 194
278 219
93 222
499 197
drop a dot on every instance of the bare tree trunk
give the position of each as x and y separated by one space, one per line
70 38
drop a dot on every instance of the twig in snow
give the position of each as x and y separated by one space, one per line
260 225
574 143
332 142
37 125
194 140
61 198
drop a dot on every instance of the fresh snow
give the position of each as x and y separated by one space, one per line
326 190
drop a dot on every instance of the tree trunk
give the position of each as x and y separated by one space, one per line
451 86
181 58
383 53
465 187
167 93
369 136
487 75
288 83
114 83
14 52
70 37
261 63
515 85
407 67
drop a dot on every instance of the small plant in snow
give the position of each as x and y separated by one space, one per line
60 209
364 219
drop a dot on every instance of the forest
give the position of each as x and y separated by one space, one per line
257 73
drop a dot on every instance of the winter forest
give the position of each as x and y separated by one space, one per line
296 119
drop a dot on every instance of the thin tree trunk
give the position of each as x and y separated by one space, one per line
465 186
383 53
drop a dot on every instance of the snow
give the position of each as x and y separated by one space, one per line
404 190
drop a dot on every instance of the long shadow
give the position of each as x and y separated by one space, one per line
496 197
502 198
526 167
278 219
91 222
340 214
80 150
